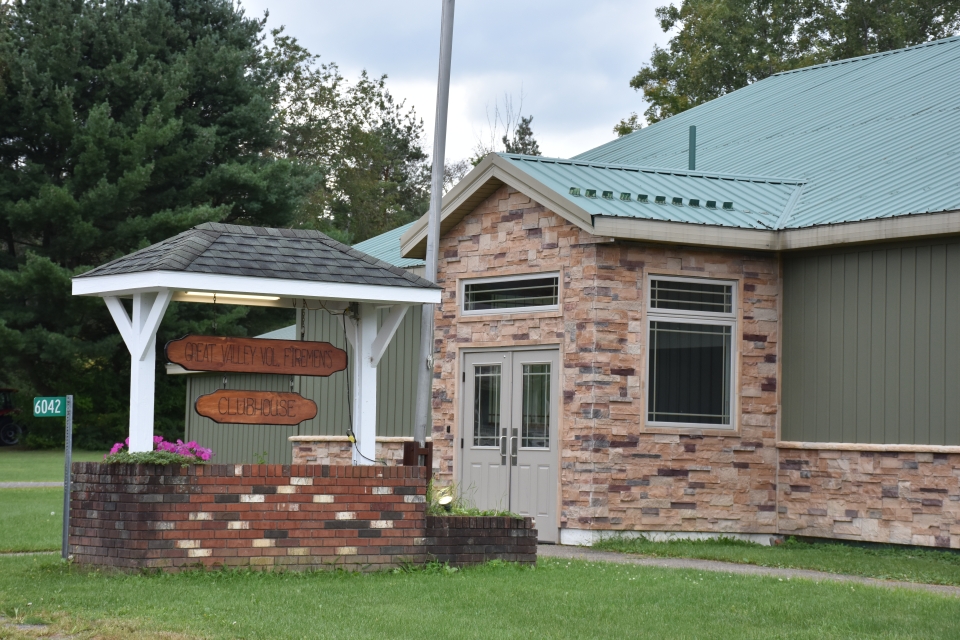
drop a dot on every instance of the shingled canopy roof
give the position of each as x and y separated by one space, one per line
256 260
228 249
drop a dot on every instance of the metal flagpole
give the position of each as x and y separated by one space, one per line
425 371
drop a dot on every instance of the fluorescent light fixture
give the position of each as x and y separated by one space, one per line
242 296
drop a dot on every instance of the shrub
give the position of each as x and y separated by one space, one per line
447 501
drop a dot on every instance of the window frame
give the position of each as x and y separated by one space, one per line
684 316
462 287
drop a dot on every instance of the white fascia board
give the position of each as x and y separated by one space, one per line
861 232
685 233
130 283
460 191
494 167
916 225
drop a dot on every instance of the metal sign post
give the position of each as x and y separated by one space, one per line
67 459
57 407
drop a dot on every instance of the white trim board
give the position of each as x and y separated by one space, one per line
129 283
587 537
877 448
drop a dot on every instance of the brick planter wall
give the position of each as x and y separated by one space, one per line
898 497
272 516
246 515
461 540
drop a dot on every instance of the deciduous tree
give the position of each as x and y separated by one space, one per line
719 46
367 146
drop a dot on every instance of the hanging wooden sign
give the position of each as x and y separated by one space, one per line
232 406
256 355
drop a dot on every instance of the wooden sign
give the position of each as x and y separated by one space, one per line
256 355
230 406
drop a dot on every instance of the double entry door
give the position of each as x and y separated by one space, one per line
510 449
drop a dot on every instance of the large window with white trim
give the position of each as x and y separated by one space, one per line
690 364
511 294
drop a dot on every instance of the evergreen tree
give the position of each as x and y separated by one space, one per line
523 140
123 123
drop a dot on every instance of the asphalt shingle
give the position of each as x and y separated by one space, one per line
293 254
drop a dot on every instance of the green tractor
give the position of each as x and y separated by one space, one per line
10 431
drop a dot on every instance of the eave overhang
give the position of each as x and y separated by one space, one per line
494 172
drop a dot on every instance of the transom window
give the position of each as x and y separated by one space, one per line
690 352
511 294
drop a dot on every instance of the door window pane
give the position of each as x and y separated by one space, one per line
535 418
691 296
690 367
486 405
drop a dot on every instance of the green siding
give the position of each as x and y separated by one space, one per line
871 344
396 392
234 443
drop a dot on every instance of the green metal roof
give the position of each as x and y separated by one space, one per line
386 247
751 202
872 137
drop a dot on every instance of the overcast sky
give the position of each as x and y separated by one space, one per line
573 60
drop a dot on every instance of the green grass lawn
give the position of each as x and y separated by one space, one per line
25 465
891 563
26 523
556 599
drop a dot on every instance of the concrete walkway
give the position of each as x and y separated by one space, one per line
591 555
28 485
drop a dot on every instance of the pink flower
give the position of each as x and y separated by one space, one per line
186 449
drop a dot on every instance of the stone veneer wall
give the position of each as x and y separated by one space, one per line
338 450
615 474
898 497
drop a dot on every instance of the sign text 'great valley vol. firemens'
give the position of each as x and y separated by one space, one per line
256 355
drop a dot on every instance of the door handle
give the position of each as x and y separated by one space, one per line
513 450
503 449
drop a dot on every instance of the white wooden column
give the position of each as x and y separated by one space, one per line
365 387
140 335
369 345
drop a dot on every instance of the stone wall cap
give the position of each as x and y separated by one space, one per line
860 446
386 439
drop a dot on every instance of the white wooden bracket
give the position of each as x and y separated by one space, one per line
387 331
139 334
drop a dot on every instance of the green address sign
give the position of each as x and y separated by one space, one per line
50 407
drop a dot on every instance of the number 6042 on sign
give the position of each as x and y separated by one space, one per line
49 407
